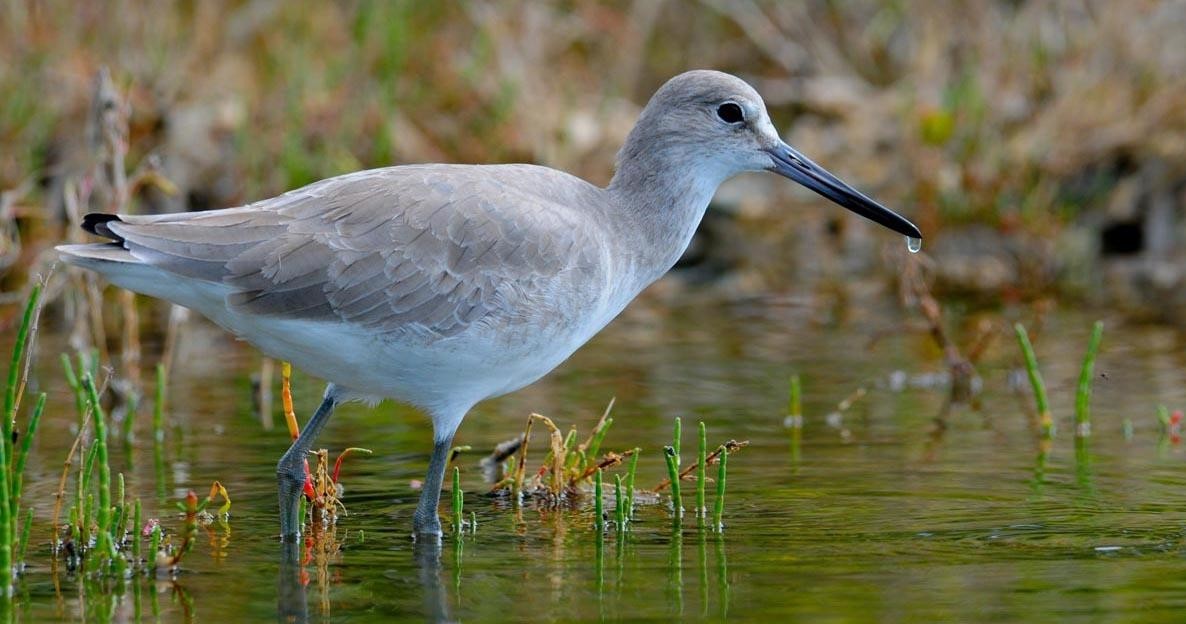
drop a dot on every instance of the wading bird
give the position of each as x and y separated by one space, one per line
444 285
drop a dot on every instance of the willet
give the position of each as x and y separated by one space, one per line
444 285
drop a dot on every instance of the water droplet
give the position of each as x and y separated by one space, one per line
913 245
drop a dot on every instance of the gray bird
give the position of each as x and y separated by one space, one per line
444 285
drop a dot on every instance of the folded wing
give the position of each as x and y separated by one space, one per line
398 249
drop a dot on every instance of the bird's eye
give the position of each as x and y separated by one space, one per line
730 112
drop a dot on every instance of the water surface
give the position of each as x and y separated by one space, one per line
886 514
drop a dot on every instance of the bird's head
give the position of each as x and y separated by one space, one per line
719 124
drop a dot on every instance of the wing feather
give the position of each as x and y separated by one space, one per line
426 249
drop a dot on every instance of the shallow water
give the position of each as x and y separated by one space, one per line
882 514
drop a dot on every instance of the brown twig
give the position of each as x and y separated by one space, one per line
730 447
66 474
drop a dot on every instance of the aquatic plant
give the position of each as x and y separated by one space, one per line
701 456
670 456
676 437
13 536
732 446
1083 393
619 504
719 506
630 474
105 526
1045 419
1171 424
794 418
168 556
567 468
458 502
598 503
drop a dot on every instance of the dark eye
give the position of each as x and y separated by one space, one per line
730 113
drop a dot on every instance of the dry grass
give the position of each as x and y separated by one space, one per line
991 108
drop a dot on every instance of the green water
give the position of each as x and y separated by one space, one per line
886 515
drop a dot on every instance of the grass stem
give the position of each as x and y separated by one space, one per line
1045 418
458 502
677 504
1083 395
701 460
598 504
676 436
719 507
619 504
795 404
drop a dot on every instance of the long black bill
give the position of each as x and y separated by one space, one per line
790 163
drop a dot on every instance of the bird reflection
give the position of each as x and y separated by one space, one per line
305 584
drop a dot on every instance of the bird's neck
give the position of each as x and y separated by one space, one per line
660 201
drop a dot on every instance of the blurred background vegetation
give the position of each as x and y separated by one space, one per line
1040 145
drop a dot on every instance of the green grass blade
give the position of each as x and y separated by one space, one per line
795 404
26 535
630 482
1045 418
18 473
595 444
1083 395
677 503
719 507
598 503
458 501
701 458
619 504
676 436
19 349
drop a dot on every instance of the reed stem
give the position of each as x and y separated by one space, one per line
719 507
630 483
701 459
795 404
619 504
1045 419
677 503
676 436
458 502
1083 395
598 503
17 366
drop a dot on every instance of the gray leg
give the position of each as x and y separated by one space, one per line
290 472
426 522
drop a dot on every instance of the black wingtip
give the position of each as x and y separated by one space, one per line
96 223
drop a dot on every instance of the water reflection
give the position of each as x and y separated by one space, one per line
605 576
675 571
292 604
897 513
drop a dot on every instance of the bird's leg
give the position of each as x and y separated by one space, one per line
426 522
290 472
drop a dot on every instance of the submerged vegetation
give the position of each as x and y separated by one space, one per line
103 532
1045 418
15 533
571 473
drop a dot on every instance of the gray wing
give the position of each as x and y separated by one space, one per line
406 248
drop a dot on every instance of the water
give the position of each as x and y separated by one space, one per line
913 245
902 509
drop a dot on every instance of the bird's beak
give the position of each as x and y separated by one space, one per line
790 163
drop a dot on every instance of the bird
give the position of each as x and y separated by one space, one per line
442 285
